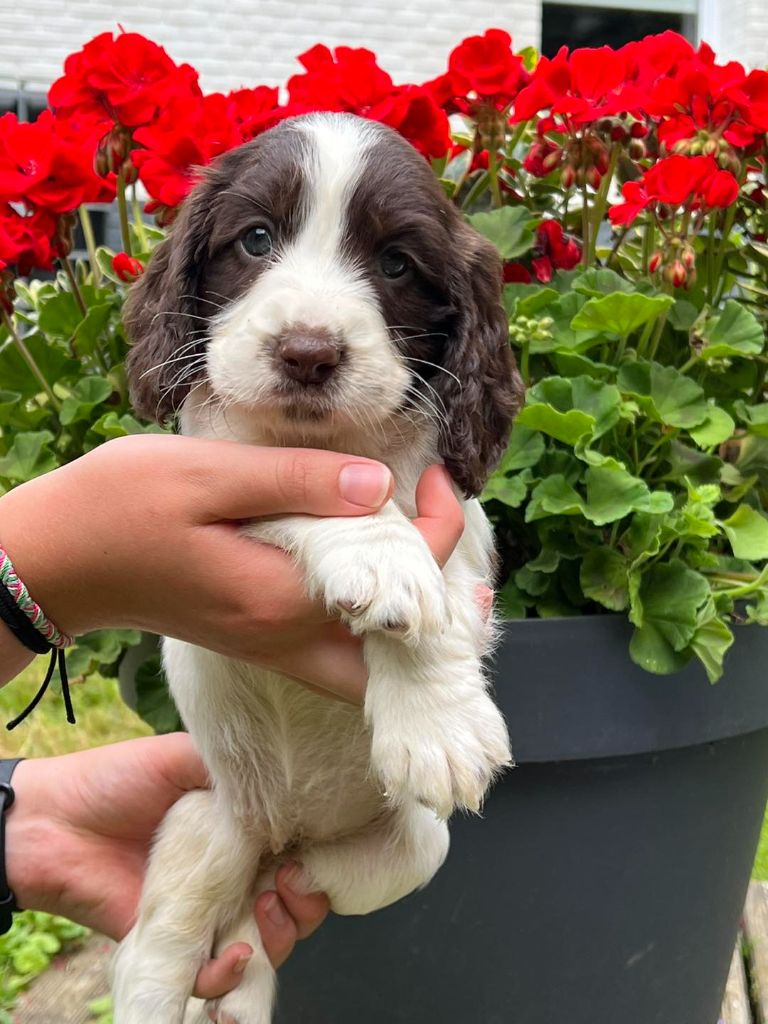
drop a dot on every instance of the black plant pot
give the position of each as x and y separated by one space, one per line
604 884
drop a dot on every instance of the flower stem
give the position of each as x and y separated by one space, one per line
138 220
717 283
493 170
649 242
66 266
90 243
29 359
601 201
585 246
122 206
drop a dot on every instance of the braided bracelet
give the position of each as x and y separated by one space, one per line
32 628
24 602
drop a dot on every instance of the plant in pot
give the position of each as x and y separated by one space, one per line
625 191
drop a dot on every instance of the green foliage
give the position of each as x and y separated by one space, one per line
63 393
27 950
637 481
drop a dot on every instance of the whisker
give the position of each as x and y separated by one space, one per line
177 312
426 362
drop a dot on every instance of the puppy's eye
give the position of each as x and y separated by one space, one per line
257 242
395 264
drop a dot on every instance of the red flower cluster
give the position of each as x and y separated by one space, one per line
483 72
122 80
350 80
554 250
694 182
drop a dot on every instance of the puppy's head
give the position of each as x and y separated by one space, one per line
319 278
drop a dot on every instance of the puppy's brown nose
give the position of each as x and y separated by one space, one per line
308 355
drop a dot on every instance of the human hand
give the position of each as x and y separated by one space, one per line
78 839
143 532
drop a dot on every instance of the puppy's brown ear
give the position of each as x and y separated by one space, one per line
162 317
487 391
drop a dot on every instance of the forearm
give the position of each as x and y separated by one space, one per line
13 656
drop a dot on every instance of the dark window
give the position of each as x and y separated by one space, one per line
575 25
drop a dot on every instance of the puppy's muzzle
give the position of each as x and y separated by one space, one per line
308 355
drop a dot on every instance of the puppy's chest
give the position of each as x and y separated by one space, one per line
292 762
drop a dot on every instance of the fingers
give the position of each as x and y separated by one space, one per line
219 976
440 517
243 482
308 910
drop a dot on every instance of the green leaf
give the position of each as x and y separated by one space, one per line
60 315
527 299
710 643
510 601
570 409
510 490
153 700
553 496
682 316
651 650
620 313
100 649
613 493
86 395
733 332
747 532
510 228
664 393
564 337
52 359
29 456
716 428
755 417
9 403
603 578
601 281
525 448
90 331
671 596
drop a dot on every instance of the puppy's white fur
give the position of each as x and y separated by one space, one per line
358 797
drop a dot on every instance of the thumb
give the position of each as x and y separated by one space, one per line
244 482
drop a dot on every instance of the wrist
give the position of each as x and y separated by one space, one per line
35 531
30 835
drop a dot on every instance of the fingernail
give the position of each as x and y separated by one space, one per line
275 910
364 483
241 964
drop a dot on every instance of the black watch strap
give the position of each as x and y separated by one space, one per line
7 796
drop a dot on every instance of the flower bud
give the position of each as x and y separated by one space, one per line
567 177
655 262
636 149
675 274
639 130
710 147
127 268
552 160
618 133
130 174
688 257
594 177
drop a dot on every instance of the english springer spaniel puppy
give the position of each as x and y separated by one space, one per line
319 290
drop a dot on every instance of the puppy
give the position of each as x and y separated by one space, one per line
319 290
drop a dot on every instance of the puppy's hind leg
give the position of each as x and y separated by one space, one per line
201 867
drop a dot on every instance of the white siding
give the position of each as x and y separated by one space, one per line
249 42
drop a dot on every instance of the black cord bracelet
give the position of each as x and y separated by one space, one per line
8 903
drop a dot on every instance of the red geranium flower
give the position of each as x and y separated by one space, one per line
483 71
555 251
255 110
345 79
677 181
580 86
412 111
127 268
41 165
187 136
26 238
124 80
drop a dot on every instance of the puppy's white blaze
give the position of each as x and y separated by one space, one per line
316 283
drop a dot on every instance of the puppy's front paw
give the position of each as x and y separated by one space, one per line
393 586
444 755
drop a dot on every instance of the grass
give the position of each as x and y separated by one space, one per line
102 717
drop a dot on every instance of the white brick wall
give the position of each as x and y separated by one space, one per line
249 42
